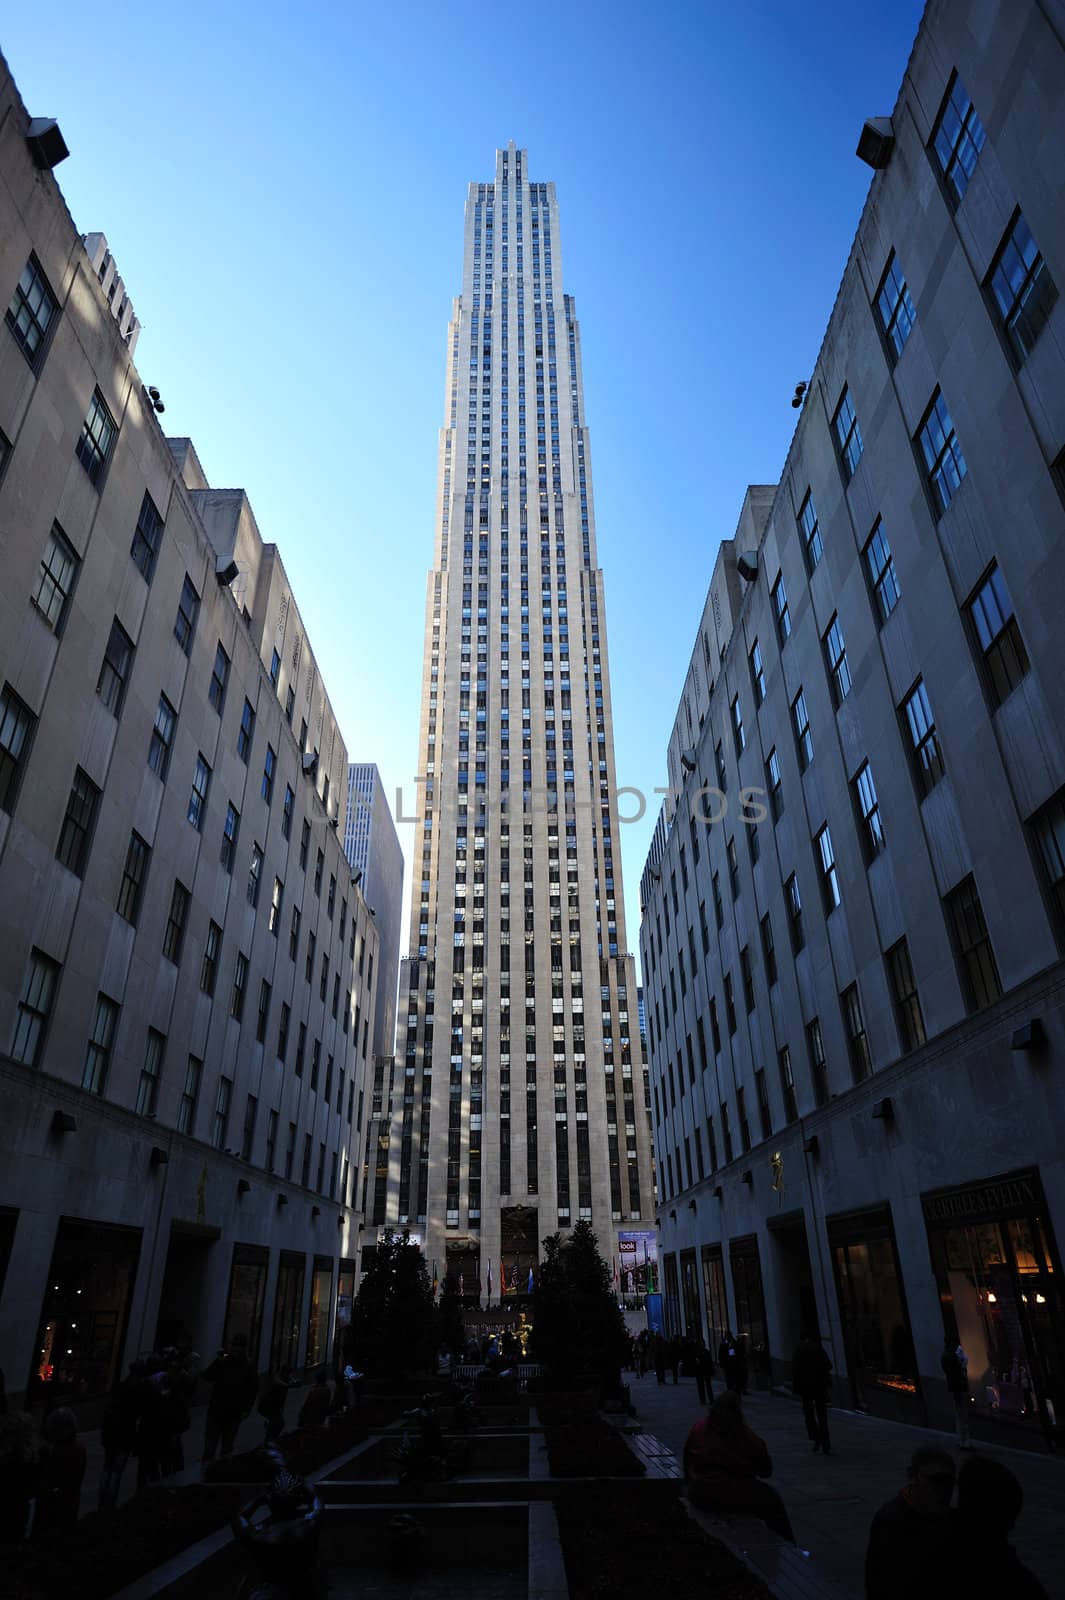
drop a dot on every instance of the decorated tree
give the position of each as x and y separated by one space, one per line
392 1330
578 1327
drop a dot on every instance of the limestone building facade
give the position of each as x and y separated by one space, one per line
372 847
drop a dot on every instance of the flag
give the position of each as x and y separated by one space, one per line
531 1284
435 1282
488 1281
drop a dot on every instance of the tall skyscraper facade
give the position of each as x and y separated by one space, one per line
519 1088
372 846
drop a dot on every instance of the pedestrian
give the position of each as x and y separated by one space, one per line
723 1463
728 1360
20 1469
912 1548
990 1500
62 1470
153 1423
811 1372
955 1364
674 1359
233 1386
704 1372
317 1405
272 1402
118 1433
660 1358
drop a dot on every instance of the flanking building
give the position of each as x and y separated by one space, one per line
375 856
854 905
186 969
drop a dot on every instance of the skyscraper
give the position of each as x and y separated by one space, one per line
372 846
520 1094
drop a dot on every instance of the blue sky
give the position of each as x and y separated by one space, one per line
283 186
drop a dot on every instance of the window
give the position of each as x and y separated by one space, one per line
201 782
836 656
765 1117
5 452
301 1047
97 439
927 758
245 732
780 609
957 139
722 771
31 312
737 727
977 967
747 974
221 1113
1021 287
730 1007
56 579
275 668
294 934
719 909
282 1032
34 1008
275 906
811 533
324 981
148 1084
269 767
134 873
255 872
733 868
318 866
895 307
757 674
114 669
880 570
826 866
787 1085
818 1065
999 638
848 435
904 994
209 965
75 835
868 808
801 720
312 940
1047 830
944 463
793 901
216 693
854 1027
190 1095
187 612
305 839
174 937
240 979
290 704
769 954
330 904
162 739
286 812
271 1140
17 723
101 1039
147 536
772 775
264 1012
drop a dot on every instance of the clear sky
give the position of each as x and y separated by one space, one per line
282 187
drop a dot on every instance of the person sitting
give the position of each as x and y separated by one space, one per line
318 1403
911 1540
990 1500
723 1462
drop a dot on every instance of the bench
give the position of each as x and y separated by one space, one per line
789 1574
657 1458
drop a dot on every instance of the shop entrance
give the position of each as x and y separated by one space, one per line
999 1279
184 1286
750 1307
881 1365
717 1321
794 1281
85 1312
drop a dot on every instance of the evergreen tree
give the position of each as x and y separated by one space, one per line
577 1323
392 1318
450 1328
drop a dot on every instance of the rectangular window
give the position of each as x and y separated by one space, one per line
316 1062
282 1032
230 834
264 1012
246 732
977 967
1047 830
836 656
787 1085
134 873
294 933
286 812
148 1083
895 308
75 835
848 435
794 905
101 1040
31 312
747 974
904 994
737 727
187 612
757 674
34 1008
240 980
190 1095
730 1007
769 953
1021 287
818 1065
880 570
994 626
780 609
147 537
944 463
162 739
255 873
733 868
318 866
324 980
957 139
275 906
17 724
330 904
854 1027
269 767
301 1048
56 579
290 704
221 1113
927 758
826 866
719 908
811 533
868 807
290 1149
773 782
765 1117
174 937
312 940
98 433
800 718
209 965
216 692
201 782
275 668
115 668
305 839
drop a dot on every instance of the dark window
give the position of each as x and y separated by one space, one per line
312 940
769 953
305 839
101 1042
730 1006
290 703
97 439
324 981
1047 829
201 782
56 579
275 668
895 307
294 935
331 900
854 1027
904 993
190 1095
733 868
31 312
836 657
34 1008
255 873
944 463
221 1113
17 723
271 1140
148 1083
818 1065
240 979
134 873
773 781
286 812
1022 287
927 757
275 906
801 722
301 1047
794 905
269 768
737 727
757 674
187 612
787 1085
811 533
147 536
246 732
722 772
216 693
162 740
263 1018
848 435
209 965
998 637
780 609
765 1117
230 834
719 909
282 1032
75 835
115 668
881 573
747 974
957 139
977 967
318 865
826 866
174 937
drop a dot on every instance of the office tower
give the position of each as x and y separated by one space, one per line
868 830
372 847
518 1084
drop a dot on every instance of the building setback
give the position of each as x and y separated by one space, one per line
372 847
854 905
186 971
518 1084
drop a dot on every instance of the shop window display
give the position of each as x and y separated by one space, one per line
288 1305
750 1305
881 1364
318 1318
714 1293
85 1312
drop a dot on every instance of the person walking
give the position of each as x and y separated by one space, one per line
729 1361
723 1463
233 1386
912 1549
811 1372
955 1364
704 1372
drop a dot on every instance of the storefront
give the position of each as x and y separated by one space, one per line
717 1323
671 1286
881 1365
288 1304
689 1290
999 1278
345 1305
750 1305
85 1312
247 1291
320 1308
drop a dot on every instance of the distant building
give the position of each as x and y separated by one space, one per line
372 847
